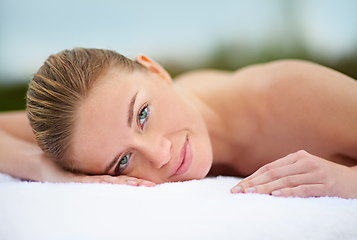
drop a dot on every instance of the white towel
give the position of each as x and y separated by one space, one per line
198 209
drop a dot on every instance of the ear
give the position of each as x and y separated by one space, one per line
154 68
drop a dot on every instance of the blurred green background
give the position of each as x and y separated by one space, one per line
12 96
182 36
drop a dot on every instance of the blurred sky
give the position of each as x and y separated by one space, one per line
30 30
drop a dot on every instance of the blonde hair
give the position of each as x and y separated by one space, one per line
56 90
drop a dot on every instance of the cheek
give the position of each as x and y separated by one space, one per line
182 114
171 114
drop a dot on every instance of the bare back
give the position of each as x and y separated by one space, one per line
263 112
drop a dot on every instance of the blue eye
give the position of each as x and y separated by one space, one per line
143 115
123 164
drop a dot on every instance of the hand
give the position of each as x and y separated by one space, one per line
112 179
301 175
51 172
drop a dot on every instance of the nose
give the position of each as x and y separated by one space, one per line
157 150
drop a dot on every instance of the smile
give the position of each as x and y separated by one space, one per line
184 161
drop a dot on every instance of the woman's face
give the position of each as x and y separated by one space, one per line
138 124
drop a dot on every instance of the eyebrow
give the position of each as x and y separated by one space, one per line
130 123
131 109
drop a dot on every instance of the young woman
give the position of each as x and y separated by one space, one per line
100 117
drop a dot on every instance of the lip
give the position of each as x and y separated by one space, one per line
185 160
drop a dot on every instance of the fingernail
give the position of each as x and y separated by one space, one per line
251 190
276 193
131 182
236 189
149 184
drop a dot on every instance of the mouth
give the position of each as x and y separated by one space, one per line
184 161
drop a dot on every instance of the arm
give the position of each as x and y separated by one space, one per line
22 158
314 108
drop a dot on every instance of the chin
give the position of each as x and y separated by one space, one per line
201 170
205 171
202 159
193 174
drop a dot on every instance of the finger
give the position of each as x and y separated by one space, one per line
132 181
146 183
290 181
109 179
276 169
90 179
287 160
139 182
247 184
309 190
125 180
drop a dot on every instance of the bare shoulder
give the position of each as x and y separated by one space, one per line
304 81
305 70
314 102
199 78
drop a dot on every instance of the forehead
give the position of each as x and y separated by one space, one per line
101 119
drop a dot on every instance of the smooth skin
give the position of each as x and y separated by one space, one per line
21 157
288 124
296 109
141 122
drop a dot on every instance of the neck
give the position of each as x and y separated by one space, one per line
216 127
